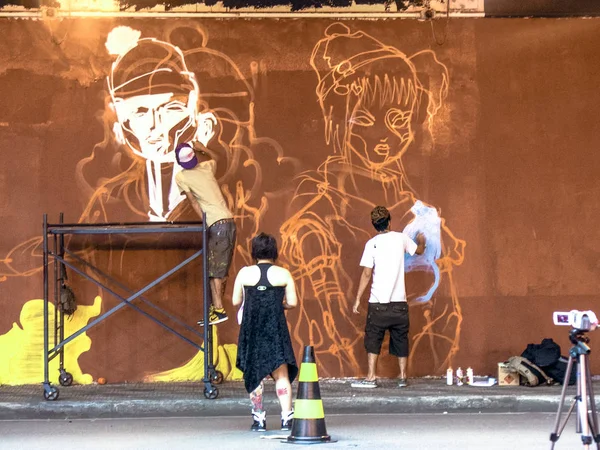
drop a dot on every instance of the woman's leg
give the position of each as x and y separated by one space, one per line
283 388
256 397
259 416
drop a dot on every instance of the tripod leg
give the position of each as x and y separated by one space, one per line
586 437
555 431
593 415
577 402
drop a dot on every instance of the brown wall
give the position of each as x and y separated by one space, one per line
504 147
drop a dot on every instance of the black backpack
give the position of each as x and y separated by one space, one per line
544 354
558 371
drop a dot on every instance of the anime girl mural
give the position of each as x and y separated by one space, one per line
374 99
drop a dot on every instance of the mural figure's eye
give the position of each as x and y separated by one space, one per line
397 119
175 106
140 111
363 119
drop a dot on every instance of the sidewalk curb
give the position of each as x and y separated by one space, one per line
186 399
103 408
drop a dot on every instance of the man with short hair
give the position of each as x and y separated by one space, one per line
383 259
197 181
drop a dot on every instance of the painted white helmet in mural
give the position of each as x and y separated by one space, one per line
153 94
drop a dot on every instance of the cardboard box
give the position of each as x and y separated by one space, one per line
507 376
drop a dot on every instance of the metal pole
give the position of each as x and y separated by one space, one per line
586 437
556 432
56 293
593 412
45 276
62 271
206 300
578 398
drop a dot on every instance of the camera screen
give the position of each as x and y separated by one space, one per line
562 318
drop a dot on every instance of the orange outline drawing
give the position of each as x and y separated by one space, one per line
372 97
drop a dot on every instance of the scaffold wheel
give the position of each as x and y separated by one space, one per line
217 377
51 394
65 379
211 394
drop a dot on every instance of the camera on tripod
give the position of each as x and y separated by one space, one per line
580 320
584 403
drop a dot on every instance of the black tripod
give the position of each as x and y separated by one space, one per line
587 419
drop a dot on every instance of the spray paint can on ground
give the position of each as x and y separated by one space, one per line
449 376
470 376
459 377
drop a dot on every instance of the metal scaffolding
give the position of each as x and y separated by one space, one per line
54 249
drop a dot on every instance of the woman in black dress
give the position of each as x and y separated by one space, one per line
265 291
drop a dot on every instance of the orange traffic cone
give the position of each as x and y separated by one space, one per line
308 426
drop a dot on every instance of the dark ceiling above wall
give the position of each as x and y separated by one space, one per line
492 8
541 8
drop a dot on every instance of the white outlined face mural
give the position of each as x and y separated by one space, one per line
151 118
155 98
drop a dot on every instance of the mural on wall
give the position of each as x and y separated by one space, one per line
224 360
158 103
377 105
155 98
372 97
154 102
443 137
21 355
22 358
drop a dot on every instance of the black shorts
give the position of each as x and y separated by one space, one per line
221 244
392 317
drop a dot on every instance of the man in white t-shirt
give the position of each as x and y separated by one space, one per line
383 259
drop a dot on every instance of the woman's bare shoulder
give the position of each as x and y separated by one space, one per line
248 271
278 269
279 276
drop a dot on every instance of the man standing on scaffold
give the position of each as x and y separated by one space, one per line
197 181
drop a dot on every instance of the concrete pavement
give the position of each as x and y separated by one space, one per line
423 395
529 431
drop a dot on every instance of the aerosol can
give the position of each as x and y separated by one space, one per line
470 376
459 377
449 376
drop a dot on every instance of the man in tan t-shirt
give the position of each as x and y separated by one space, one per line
197 181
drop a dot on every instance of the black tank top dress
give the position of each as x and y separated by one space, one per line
264 342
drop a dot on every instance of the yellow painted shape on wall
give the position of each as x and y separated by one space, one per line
193 370
21 349
234 374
